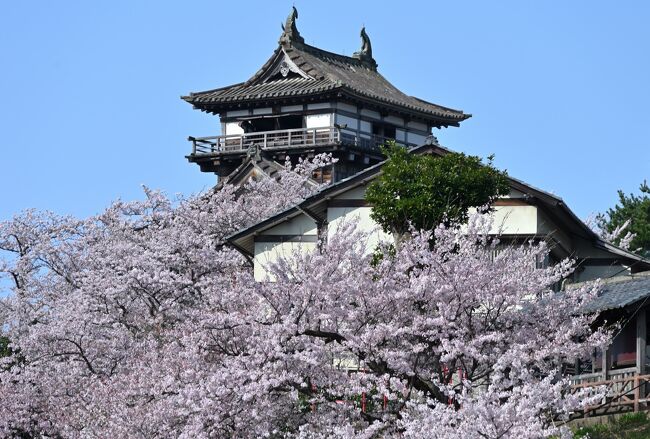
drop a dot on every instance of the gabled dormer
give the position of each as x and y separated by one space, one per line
305 100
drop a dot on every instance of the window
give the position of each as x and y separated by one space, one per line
323 175
382 130
287 122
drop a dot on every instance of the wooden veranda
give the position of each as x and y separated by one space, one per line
621 371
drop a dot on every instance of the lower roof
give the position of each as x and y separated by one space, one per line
619 292
552 203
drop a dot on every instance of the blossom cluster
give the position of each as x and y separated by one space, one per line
140 323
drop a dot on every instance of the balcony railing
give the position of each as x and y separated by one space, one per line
626 390
285 139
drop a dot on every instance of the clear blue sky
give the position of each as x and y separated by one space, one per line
90 106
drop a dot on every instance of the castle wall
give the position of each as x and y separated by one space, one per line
298 235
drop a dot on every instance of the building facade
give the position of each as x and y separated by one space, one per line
527 213
305 100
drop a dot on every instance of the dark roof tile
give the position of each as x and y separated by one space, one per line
620 292
326 71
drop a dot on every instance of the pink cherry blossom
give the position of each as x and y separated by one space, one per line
140 323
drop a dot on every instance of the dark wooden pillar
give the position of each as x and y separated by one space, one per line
594 356
640 341
640 356
605 363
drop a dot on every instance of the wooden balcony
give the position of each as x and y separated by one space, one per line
621 369
299 138
626 391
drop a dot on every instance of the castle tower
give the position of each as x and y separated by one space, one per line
304 101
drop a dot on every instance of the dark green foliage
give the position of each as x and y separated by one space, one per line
7 351
426 190
4 347
635 208
629 426
380 252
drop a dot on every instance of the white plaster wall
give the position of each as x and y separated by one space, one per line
290 108
513 220
318 120
365 126
267 253
336 216
265 110
400 135
233 128
319 106
300 225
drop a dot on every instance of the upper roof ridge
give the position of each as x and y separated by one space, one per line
365 54
324 75
290 32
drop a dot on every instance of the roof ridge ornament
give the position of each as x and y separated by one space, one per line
365 54
290 32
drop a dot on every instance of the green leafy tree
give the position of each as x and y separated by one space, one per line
636 210
4 347
426 190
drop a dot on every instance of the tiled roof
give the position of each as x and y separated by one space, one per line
620 292
361 78
265 90
324 71
548 201
270 168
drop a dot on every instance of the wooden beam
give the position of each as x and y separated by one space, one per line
511 202
605 363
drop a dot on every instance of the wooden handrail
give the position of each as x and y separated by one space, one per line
625 392
611 381
279 139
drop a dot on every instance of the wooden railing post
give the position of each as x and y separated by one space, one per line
193 140
637 393
641 324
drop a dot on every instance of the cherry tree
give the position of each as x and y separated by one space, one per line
140 322
620 235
